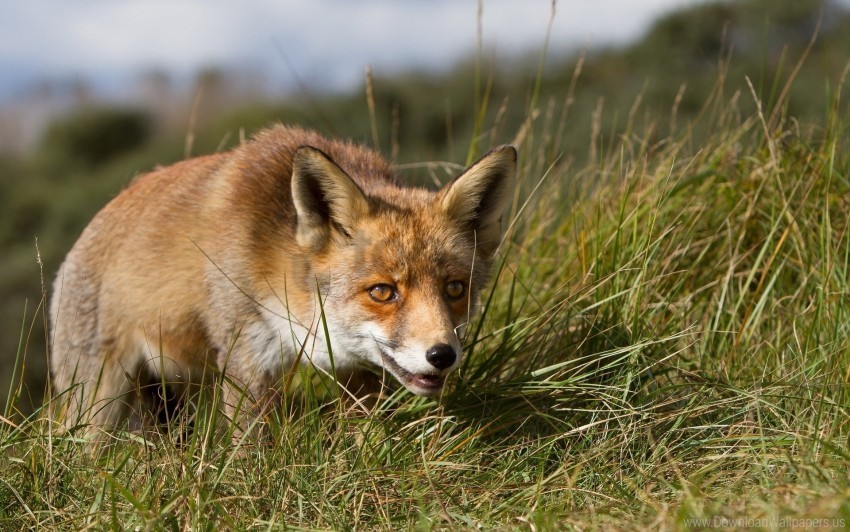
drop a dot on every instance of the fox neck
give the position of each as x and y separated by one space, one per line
292 308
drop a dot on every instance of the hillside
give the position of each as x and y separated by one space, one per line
665 347
659 84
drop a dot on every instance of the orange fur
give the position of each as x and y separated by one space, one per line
218 264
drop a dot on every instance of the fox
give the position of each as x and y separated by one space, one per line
291 248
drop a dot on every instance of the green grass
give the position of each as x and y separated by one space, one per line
667 340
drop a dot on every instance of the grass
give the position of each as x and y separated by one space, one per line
666 341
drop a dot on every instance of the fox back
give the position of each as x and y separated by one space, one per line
290 248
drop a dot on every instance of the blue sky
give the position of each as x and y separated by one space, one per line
327 42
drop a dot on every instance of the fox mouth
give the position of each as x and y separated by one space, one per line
419 383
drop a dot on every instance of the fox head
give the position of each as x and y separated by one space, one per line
399 270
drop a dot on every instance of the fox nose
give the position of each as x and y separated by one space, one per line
441 356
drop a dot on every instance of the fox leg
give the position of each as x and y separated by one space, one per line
111 404
246 404
250 390
98 394
359 390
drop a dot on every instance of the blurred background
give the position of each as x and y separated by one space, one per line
94 92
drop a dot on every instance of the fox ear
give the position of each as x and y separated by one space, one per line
478 197
326 199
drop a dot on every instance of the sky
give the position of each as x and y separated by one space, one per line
276 46
326 43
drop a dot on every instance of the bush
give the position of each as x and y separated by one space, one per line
93 136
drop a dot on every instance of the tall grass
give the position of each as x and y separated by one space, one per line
666 340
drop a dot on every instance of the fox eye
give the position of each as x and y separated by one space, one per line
455 289
382 293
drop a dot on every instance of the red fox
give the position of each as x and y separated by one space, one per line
291 247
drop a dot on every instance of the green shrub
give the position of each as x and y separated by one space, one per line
93 136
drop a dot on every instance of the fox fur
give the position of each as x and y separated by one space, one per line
291 247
